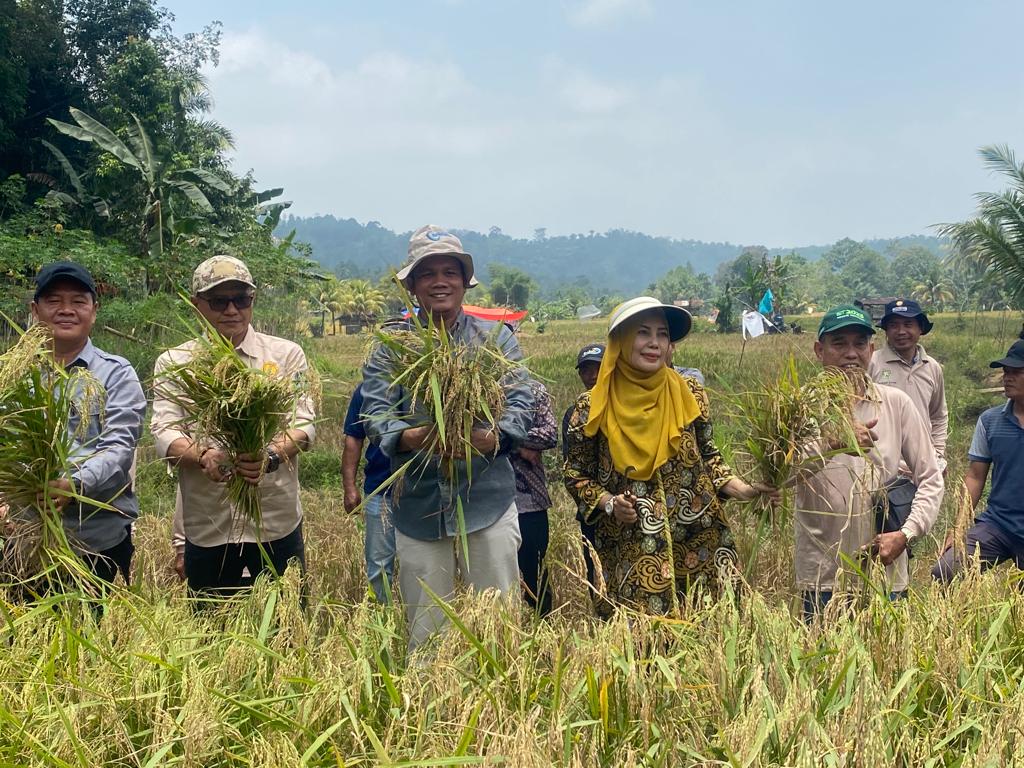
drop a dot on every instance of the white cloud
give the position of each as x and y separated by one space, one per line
589 96
595 13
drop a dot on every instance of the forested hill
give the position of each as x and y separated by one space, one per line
617 260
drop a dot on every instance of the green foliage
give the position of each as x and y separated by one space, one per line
994 239
682 283
510 287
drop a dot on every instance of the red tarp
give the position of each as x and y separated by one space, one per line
498 314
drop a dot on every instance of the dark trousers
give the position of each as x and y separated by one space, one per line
218 570
533 527
993 545
110 562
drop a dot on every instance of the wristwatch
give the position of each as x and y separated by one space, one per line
906 531
609 506
273 460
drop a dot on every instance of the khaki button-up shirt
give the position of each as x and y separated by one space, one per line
208 518
924 382
834 500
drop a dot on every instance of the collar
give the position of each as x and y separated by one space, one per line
248 345
460 321
891 356
85 358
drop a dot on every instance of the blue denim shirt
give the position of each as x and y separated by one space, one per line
106 453
424 505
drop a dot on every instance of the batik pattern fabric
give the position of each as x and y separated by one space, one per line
685 491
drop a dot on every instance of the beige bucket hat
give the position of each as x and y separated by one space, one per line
433 240
679 320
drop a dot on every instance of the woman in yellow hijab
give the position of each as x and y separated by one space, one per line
640 453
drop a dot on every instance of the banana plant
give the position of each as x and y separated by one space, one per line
80 196
162 183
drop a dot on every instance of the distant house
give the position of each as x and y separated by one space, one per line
875 306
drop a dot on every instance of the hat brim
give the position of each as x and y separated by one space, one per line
925 323
1007 362
678 319
851 323
586 360
404 275
232 279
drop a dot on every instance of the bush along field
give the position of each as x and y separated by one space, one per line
933 680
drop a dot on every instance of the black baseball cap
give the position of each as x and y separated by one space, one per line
906 308
1014 358
63 270
592 353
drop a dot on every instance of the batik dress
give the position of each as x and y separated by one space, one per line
684 490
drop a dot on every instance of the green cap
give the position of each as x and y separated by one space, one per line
844 316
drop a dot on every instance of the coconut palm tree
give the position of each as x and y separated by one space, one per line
360 299
933 290
995 237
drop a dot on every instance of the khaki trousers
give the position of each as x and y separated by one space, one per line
493 564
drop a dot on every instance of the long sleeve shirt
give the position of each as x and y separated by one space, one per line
922 379
426 503
835 500
104 457
531 481
208 518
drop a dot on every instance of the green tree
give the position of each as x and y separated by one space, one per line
994 239
170 193
682 283
933 290
911 266
510 287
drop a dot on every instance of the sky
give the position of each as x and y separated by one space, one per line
786 123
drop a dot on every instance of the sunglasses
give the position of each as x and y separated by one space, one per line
220 303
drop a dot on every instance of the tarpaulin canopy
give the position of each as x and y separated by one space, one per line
497 314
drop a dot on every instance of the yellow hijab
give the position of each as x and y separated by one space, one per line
642 415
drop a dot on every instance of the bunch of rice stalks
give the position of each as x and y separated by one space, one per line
233 406
784 418
38 400
457 385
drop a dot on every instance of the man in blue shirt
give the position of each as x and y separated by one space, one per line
998 533
379 539
432 509
65 302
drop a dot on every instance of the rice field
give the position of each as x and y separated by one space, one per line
935 680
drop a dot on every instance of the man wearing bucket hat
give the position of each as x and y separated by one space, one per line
427 509
997 534
641 456
835 496
902 362
219 552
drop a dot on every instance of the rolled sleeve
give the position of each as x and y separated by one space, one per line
517 418
168 417
108 470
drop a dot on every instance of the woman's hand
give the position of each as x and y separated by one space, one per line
623 507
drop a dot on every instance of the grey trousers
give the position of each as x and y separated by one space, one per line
493 564
991 542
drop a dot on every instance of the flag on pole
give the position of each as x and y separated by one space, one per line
765 307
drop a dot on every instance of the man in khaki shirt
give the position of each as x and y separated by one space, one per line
903 363
835 495
220 544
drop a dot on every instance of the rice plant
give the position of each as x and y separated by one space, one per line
786 418
232 405
38 398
